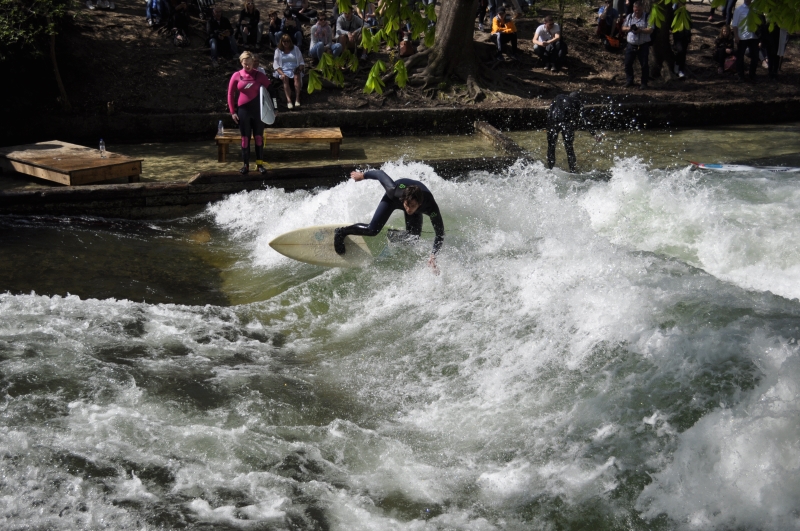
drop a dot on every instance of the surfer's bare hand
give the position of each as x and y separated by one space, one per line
432 264
357 175
235 117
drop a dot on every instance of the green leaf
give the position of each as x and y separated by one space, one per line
374 81
400 73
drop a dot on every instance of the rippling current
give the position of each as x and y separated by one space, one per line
594 355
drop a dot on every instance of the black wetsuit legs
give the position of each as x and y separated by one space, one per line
250 124
569 139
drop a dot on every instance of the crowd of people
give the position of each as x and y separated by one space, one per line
627 21
300 35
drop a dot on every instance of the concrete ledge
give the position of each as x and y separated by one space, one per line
127 128
170 200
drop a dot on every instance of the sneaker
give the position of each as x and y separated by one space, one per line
274 103
262 170
629 84
681 74
552 68
338 241
480 27
214 63
289 105
498 56
643 87
91 6
297 104
363 56
244 170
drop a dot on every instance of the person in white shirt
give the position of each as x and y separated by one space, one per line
744 40
289 66
638 44
548 45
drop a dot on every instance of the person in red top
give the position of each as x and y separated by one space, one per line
243 103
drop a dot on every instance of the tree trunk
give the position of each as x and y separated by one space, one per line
453 49
64 100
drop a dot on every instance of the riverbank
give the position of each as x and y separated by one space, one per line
128 83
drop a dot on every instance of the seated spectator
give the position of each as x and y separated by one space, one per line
289 67
220 36
322 39
547 44
291 27
179 19
274 29
504 31
607 18
369 16
157 12
348 31
250 25
723 48
300 10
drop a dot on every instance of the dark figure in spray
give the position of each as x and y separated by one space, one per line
566 114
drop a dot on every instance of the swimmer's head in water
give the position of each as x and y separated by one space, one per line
412 199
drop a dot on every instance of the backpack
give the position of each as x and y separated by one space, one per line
180 39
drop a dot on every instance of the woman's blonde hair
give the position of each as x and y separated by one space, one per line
286 38
245 56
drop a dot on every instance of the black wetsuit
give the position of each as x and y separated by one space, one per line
392 201
565 115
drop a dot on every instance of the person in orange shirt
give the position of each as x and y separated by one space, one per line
505 31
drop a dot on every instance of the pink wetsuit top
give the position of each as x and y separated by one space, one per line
247 85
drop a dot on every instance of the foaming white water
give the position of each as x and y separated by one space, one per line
739 228
553 376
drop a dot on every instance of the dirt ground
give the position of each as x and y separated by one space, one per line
111 60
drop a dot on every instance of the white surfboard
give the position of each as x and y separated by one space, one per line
267 110
741 167
314 245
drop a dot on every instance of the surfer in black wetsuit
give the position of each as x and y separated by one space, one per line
408 195
565 115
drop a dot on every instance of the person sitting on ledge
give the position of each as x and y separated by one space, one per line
504 31
289 26
250 25
322 39
348 31
547 44
723 48
220 36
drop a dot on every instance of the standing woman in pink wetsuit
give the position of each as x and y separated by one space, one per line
244 105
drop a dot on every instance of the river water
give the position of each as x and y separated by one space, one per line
595 354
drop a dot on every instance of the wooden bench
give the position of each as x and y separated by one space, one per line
298 135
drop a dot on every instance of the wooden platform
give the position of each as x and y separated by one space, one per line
296 135
68 164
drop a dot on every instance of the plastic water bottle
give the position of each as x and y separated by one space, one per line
102 149
220 129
